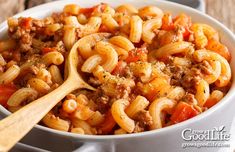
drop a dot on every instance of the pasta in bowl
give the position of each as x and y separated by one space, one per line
150 69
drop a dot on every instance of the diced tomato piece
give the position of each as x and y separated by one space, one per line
186 34
132 57
5 93
47 50
165 59
26 23
167 22
103 28
108 124
182 112
88 11
120 22
185 22
119 69
135 55
210 102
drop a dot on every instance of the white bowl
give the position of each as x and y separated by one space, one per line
163 140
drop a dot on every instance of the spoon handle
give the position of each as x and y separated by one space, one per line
15 126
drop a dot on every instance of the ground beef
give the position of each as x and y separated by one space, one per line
143 121
24 36
116 90
59 35
139 127
144 117
100 99
16 56
38 23
103 103
104 96
191 78
177 72
190 98
23 81
187 77
30 58
94 81
205 67
25 42
58 17
60 47
11 55
7 55
11 63
71 96
17 33
127 73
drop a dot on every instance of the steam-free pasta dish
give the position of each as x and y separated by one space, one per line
150 68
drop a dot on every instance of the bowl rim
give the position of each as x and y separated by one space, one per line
226 99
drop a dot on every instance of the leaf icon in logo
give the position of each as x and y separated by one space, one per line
221 128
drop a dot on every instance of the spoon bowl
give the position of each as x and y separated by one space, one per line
18 124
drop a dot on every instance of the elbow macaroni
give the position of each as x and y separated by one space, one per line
69 36
148 27
127 9
109 22
140 103
135 29
11 74
216 66
90 64
54 122
150 12
119 115
55 74
156 108
21 95
209 31
122 42
39 85
86 44
203 92
91 27
225 74
53 58
109 54
173 48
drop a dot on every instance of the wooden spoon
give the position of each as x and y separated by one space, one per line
18 124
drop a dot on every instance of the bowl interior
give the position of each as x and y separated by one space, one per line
226 36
